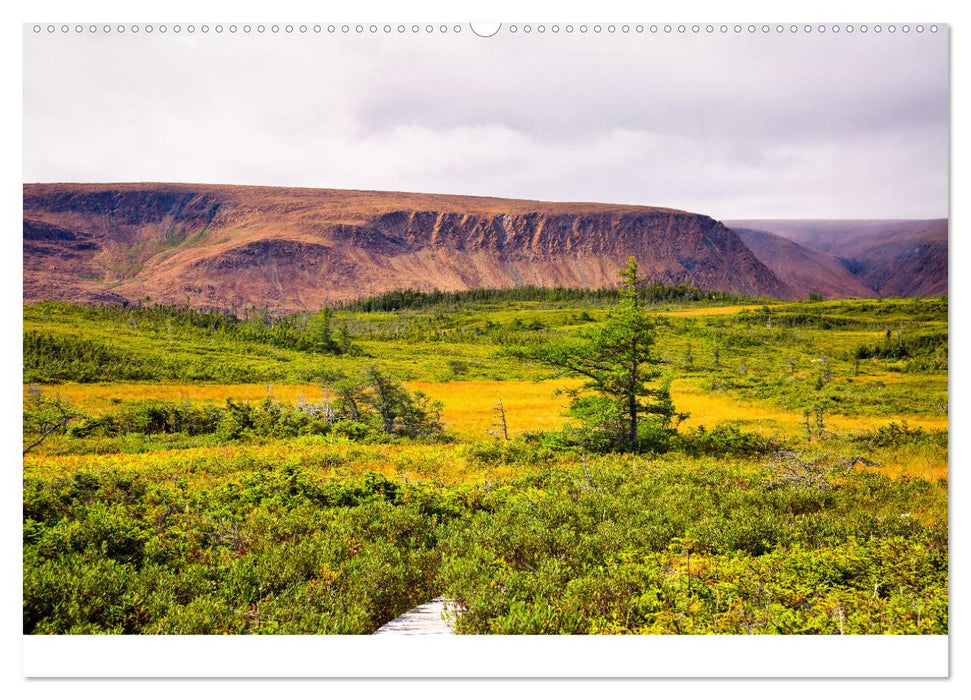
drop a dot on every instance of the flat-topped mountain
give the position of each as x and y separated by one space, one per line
292 249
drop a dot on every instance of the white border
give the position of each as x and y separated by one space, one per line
487 656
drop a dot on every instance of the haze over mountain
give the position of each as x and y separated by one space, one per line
892 258
803 269
292 249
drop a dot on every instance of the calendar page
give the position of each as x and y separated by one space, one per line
578 349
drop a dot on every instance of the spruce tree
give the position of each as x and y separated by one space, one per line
617 360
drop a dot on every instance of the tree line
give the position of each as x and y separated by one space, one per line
649 293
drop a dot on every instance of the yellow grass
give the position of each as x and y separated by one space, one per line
469 406
909 464
711 408
714 310
100 397
470 410
207 467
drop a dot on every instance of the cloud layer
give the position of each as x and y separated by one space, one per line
800 126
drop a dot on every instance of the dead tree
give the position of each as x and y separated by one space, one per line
501 425
47 416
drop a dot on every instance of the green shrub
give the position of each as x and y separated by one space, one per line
897 434
727 439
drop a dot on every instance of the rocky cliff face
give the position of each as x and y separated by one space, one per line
292 249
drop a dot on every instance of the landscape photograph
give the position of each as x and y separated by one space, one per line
406 330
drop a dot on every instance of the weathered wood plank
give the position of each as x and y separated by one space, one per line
425 619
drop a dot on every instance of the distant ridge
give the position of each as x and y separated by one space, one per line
805 270
892 257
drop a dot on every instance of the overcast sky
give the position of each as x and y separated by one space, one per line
734 126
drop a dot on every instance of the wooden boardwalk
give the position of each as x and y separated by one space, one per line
425 619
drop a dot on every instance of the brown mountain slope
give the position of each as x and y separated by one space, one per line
894 257
805 270
291 249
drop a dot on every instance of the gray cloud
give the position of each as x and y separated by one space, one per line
733 126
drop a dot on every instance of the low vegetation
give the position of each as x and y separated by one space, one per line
671 545
786 472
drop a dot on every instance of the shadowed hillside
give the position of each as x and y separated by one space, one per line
805 270
892 258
